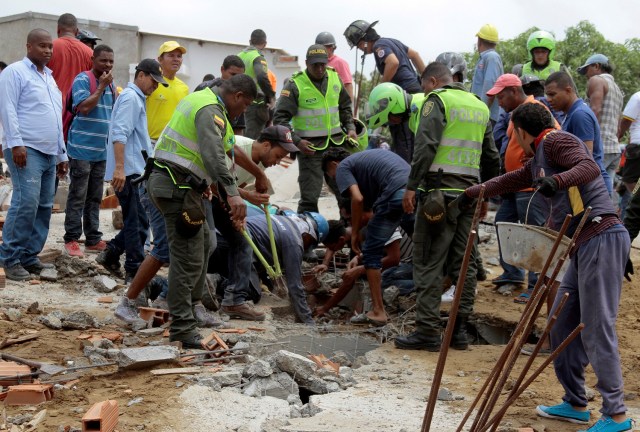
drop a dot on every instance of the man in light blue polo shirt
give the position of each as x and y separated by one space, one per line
87 152
127 149
33 145
488 69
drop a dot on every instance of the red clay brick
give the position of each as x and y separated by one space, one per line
29 394
159 316
13 374
101 417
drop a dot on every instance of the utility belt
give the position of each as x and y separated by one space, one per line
182 181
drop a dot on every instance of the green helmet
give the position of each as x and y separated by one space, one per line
386 98
541 39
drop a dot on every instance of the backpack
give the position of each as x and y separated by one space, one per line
68 114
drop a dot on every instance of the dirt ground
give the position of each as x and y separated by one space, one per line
392 389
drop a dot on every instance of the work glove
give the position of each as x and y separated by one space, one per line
547 186
465 202
628 270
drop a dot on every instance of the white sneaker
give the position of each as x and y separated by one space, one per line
447 297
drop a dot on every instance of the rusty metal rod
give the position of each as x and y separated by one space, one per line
515 353
493 376
535 352
530 322
453 312
534 375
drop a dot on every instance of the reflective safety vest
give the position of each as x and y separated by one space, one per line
248 56
318 115
178 142
460 148
417 100
543 74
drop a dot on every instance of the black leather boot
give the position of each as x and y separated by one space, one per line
419 340
459 340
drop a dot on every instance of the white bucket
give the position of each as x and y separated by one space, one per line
528 246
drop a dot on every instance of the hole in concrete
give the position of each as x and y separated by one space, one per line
353 345
305 394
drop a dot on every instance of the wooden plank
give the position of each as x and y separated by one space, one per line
8 342
175 371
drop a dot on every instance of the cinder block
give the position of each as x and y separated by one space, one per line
101 417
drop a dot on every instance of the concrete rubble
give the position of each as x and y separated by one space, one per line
105 284
145 357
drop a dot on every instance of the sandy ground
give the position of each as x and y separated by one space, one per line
390 394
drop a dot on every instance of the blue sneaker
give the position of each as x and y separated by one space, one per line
566 412
606 424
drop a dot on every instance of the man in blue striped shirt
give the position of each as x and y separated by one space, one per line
86 147
31 114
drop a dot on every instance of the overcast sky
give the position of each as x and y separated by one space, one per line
429 26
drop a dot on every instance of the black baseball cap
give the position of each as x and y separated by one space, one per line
280 135
317 54
152 67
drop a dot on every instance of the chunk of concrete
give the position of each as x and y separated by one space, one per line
280 386
259 368
149 332
78 320
49 274
444 394
13 314
51 321
295 365
139 358
104 284
228 377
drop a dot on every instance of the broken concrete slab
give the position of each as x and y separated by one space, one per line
259 368
228 377
139 358
280 386
104 284
295 365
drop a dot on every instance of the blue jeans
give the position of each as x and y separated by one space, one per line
514 209
386 218
130 240
27 223
400 276
160 249
83 201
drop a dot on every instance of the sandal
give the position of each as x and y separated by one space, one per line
522 298
363 319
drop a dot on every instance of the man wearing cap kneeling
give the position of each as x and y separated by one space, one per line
127 148
318 106
189 157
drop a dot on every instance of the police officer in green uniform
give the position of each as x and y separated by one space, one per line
316 104
255 65
542 47
454 148
190 157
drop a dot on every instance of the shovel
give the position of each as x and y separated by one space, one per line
280 285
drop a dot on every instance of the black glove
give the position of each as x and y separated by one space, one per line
547 186
465 202
628 270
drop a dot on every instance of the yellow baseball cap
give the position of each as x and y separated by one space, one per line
169 46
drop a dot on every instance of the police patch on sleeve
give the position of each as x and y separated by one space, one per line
380 53
285 93
427 108
217 120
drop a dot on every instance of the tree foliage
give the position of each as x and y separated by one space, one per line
580 42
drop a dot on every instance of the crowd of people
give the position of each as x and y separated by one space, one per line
188 171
